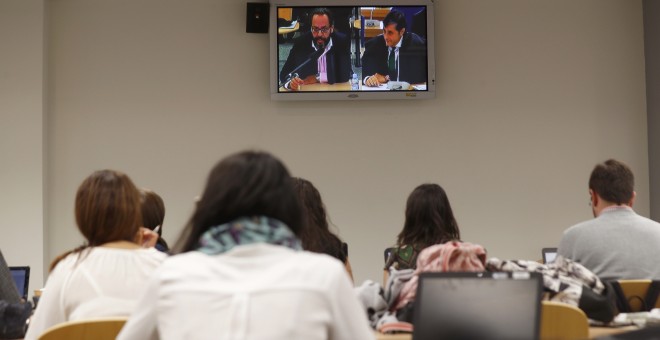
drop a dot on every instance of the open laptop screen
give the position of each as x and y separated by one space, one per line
477 306
549 254
21 276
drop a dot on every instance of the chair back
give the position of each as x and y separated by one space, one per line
387 253
637 295
92 329
561 321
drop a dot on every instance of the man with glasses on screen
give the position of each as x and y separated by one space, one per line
323 52
395 55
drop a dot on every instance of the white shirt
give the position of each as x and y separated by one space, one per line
257 292
97 282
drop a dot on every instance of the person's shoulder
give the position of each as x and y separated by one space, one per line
582 227
412 39
311 260
340 37
375 42
152 254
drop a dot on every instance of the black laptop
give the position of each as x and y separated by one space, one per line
487 306
21 276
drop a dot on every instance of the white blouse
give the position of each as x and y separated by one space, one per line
97 282
257 291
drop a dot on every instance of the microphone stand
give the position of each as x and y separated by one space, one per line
315 55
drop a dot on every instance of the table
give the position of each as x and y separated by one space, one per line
319 87
594 332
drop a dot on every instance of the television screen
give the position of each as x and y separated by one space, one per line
352 50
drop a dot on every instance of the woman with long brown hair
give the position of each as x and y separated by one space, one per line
315 234
429 221
104 276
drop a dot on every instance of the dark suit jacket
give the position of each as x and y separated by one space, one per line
338 58
412 58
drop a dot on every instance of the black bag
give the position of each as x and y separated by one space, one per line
601 307
13 319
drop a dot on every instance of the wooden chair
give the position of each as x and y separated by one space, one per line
635 292
561 321
96 329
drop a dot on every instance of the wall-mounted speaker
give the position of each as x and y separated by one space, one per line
257 17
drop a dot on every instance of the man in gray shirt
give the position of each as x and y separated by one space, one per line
617 243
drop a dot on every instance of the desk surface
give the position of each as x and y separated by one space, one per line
317 87
594 332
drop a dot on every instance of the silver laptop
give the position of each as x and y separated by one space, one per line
485 306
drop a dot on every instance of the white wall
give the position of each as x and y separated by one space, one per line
531 94
21 135
652 58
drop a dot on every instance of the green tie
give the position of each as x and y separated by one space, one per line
391 63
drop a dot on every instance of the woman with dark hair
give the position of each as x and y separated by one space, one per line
105 276
429 221
153 215
315 234
241 273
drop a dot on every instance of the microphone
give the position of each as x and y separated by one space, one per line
312 57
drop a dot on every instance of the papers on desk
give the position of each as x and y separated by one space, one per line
291 25
639 319
396 86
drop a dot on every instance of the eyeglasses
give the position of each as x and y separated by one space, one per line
323 30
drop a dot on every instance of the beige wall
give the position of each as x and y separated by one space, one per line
531 94
22 135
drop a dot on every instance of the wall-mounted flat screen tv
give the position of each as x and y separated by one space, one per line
348 50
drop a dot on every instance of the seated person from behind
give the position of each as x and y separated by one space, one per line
329 51
153 215
395 55
13 311
618 243
242 274
429 221
315 235
105 276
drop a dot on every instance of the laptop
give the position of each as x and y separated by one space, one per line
549 255
21 276
484 306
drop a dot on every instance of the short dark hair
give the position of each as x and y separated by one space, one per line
321 11
245 184
153 215
153 210
429 218
395 17
613 181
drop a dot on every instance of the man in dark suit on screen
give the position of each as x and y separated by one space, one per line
327 50
395 55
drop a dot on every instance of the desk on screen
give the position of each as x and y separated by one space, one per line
317 87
